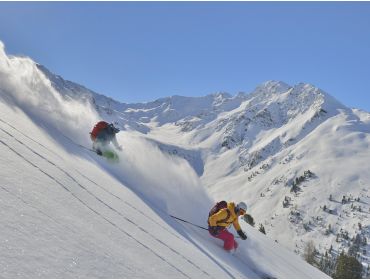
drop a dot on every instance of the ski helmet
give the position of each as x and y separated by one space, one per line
241 206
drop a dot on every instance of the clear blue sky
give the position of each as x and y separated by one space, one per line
140 51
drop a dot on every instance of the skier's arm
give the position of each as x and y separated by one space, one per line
239 230
236 225
220 215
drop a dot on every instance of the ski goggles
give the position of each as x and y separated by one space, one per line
241 212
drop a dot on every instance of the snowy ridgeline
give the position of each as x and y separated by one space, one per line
68 213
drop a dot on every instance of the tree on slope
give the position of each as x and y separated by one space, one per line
262 229
348 267
310 252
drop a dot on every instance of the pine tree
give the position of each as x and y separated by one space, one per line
322 264
309 252
353 250
262 229
345 235
326 264
348 267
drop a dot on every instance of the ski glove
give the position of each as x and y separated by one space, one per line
242 234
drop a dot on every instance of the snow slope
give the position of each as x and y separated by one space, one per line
67 213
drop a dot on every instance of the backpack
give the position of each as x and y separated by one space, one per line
97 128
219 205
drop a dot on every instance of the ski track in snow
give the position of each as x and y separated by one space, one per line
97 213
102 202
38 143
35 208
82 175
130 205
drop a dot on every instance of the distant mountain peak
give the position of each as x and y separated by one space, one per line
273 87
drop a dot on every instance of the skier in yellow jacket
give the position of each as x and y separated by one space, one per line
220 219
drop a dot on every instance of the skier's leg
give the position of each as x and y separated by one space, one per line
228 238
97 147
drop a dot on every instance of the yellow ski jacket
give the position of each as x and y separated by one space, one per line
225 217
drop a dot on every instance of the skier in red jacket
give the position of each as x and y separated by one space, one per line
102 134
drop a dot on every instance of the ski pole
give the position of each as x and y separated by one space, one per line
194 224
82 146
188 222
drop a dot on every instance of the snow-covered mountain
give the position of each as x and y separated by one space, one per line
255 146
68 213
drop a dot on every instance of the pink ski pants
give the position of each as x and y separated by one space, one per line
228 238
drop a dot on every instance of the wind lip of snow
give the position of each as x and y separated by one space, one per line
28 88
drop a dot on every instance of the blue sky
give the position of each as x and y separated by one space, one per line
140 51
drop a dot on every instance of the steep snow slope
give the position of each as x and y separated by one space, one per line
64 216
67 213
